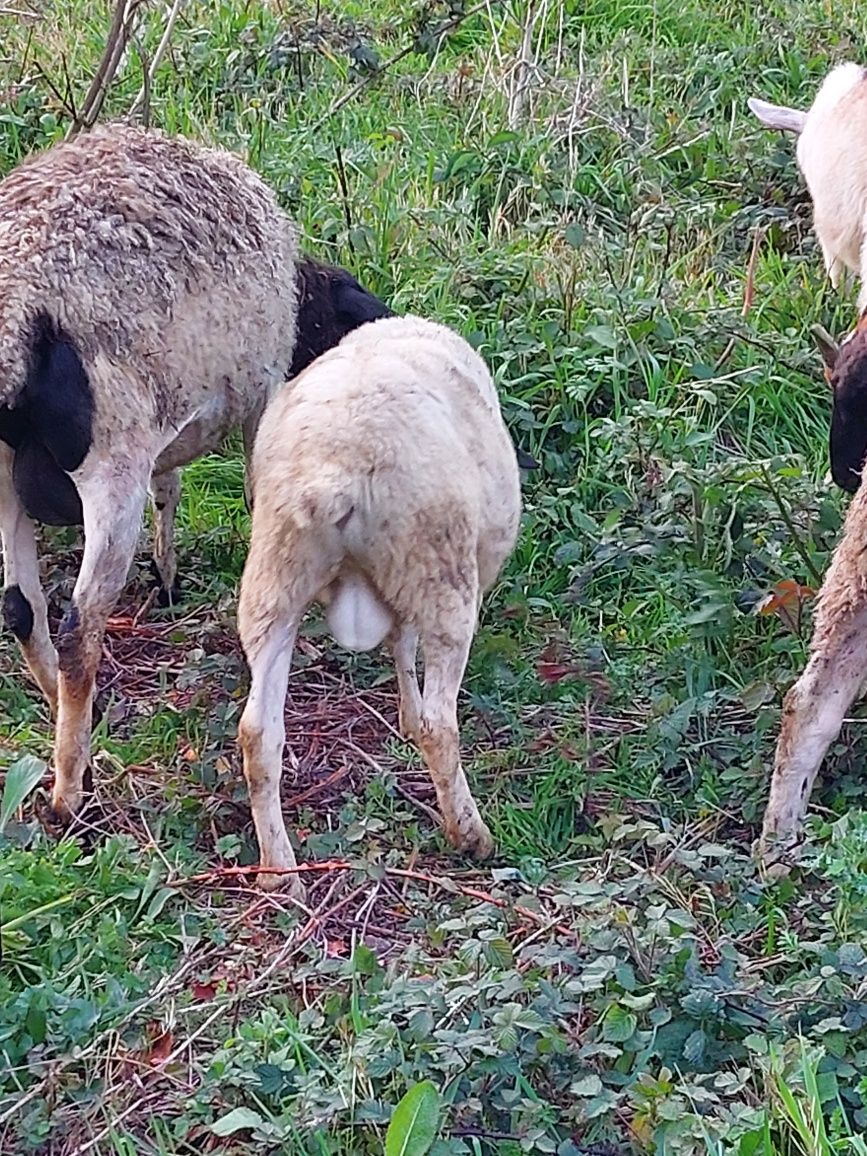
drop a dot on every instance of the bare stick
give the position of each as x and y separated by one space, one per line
119 33
143 98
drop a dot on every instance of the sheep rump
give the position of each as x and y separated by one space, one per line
386 487
832 156
139 246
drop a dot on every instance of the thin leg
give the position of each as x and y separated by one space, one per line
262 736
445 659
24 606
165 491
113 501
813 713
281 577
404 649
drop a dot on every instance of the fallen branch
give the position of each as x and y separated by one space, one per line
142 101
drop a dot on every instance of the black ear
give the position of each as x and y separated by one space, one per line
525 461
355 305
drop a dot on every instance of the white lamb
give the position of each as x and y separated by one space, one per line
832 155
386 487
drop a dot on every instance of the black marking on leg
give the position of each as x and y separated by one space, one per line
18 613
69 642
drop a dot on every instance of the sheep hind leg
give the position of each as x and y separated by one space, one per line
113 507
262 736
165 491
813 713
404 649
274 596
24 607
445 658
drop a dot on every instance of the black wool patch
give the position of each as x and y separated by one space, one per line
17 613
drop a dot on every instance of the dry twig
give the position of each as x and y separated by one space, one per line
122 23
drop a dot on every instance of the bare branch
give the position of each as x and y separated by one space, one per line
119 34
143 98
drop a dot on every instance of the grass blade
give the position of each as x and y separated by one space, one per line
414 1125
21 778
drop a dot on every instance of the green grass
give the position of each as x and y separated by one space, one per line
629 979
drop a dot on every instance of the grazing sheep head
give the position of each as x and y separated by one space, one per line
846 373
331 303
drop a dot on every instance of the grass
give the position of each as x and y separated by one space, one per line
620 980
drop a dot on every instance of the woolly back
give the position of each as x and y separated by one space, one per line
105 233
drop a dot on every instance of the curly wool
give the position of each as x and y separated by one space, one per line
120 233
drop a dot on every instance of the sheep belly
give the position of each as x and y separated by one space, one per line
357 618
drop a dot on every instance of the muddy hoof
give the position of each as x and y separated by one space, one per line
776 859
54 821
286 884
166 597
56 817
477 842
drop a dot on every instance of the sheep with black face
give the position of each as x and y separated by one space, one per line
846 373
151 300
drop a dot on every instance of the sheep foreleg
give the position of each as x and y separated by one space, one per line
813 712
113 505
165 493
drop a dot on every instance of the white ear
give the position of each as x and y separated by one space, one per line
777 116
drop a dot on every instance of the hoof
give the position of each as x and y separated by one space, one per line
776 858
409 728
478 842
287 884
55 817
167 596
59 814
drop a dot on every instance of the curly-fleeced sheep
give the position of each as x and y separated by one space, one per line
386 487
151 300
832 155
